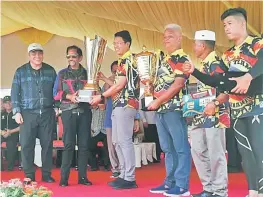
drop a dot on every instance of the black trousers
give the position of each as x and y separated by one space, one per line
37 126
12 151
234 157
59 159
75 124
249 135
151 135
101 137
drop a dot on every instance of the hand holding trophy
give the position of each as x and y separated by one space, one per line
148 64
95 50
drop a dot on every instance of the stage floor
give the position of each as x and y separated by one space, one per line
147 177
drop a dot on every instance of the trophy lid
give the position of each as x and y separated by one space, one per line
144 52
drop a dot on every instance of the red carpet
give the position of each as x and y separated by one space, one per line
147 177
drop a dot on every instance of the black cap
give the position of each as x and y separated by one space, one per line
6 98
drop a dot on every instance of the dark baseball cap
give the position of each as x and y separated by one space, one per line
6 98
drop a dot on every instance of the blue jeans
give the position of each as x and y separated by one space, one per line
172 132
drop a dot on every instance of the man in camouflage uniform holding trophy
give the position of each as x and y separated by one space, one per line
171 125
125 95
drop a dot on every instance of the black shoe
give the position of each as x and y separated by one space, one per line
115 182
203 194
156 161
123 184
84 181
29 179
63 183
94 169
48 179
115 175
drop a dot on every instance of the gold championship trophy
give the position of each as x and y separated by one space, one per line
147 64
95 50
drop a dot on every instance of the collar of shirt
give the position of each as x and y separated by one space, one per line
125 55
80 68
176 52
210 56
246 40
30 66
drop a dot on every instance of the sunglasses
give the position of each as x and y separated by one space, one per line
71 56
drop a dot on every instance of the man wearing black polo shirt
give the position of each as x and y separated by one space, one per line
9 132
32 101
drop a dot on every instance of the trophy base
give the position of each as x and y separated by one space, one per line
146 101
91 86
85 96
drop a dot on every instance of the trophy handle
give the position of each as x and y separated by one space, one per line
156 67
88 59
102 46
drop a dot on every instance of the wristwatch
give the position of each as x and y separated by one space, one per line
102 97
216 102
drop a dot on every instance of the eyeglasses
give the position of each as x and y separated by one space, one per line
117 43
71 56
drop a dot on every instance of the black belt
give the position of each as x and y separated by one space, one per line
77 111
38 111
